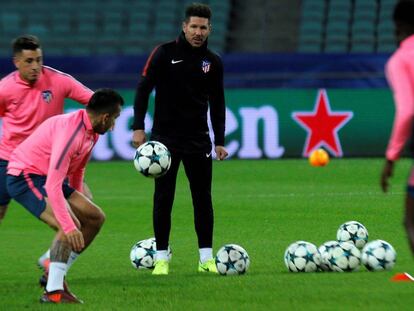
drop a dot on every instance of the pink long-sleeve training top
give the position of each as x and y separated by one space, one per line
23 107
61 146
400 76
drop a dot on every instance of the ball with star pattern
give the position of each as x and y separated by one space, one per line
143 252
232 259
344 257
378 255
324 250
152 159
302 256
353 232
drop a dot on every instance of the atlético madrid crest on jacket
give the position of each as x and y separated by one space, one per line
205 66
47 96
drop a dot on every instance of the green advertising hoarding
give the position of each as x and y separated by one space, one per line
281 123
365 133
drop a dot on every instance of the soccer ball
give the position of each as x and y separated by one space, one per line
142 254
354 232
319 157
302 256
152 159
232 259
324 250
344 257
378 255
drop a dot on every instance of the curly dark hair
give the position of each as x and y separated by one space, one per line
199 10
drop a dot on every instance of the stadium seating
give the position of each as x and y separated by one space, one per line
104 26
385 30
311 28
360 26
136 26
310 37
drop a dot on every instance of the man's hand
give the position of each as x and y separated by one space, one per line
76 241
387 172
221 152
138 138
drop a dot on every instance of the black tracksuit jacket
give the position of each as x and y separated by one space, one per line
187 82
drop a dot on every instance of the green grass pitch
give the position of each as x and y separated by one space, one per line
261 205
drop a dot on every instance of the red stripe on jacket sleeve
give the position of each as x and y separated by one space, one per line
144 72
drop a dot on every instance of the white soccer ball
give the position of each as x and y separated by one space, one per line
152 159
142 254
232 259
378 255
354 232
302 256
324 251
344 257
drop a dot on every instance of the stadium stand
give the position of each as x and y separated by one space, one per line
264 26
83 27
131 27
341 26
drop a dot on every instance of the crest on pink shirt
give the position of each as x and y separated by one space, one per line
47 96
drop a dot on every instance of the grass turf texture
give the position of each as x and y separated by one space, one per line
261 205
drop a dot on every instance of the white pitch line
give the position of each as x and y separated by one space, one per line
317 194
276 195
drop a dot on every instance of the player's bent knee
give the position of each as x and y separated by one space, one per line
101 217
97 219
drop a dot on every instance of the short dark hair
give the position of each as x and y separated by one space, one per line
25 42
105 101
199 10
404 13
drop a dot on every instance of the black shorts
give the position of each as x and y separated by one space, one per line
4 194
29 191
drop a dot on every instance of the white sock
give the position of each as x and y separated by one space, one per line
44 257
161 255
57 271
205 254
71 260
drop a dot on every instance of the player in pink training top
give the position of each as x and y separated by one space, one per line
28 96
400 75
36 178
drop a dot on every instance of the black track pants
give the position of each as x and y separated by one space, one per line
198 168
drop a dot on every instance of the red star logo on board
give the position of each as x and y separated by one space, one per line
322 125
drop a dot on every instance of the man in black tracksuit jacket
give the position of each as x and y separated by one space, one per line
188 79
